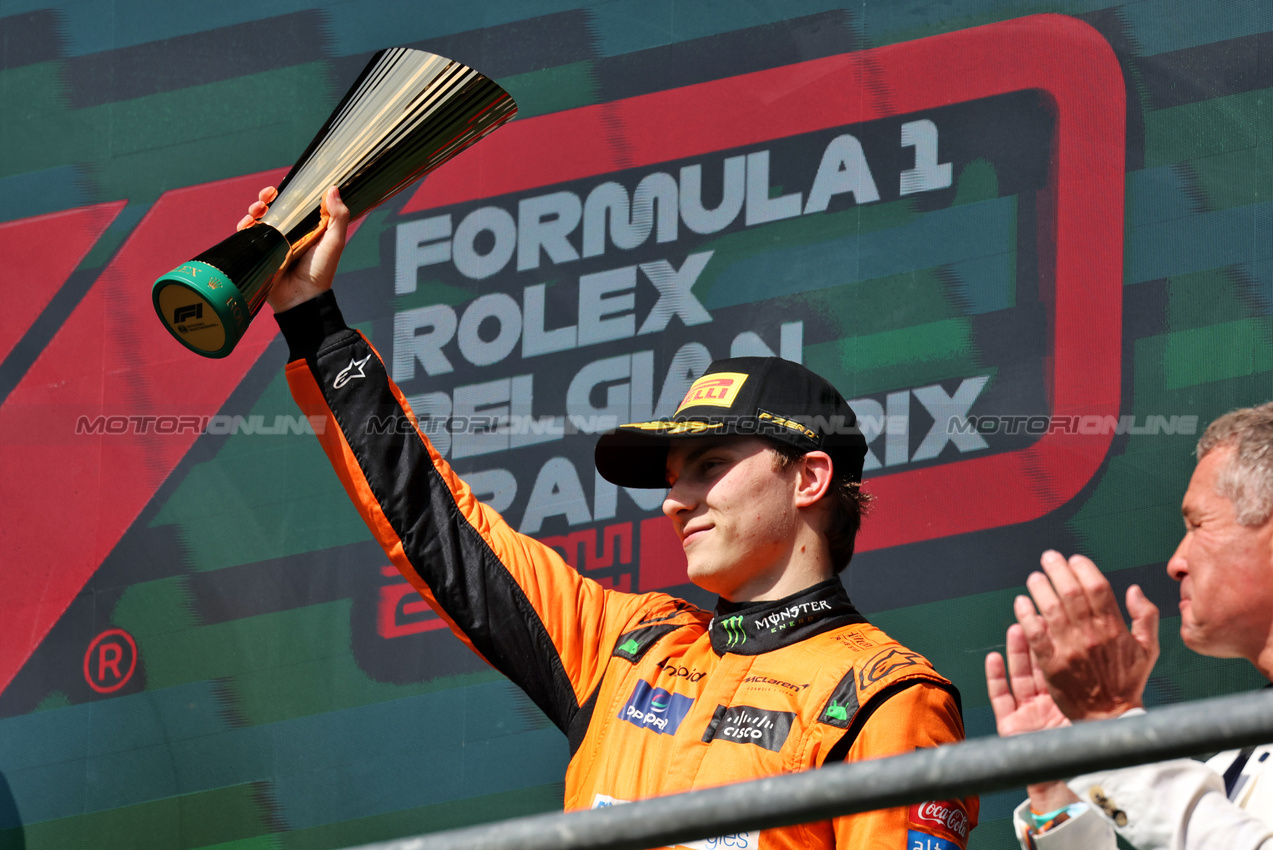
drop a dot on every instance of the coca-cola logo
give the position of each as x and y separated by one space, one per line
947 815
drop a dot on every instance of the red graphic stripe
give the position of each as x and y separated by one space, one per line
1082 223
69 498
39 255
1076 68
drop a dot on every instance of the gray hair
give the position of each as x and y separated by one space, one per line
1247 479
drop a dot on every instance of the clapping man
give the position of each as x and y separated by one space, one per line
1070 658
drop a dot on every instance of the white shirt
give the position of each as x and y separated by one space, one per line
1172 805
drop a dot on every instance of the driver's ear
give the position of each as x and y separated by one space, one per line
813 478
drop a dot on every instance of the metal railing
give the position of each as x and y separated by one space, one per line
972 767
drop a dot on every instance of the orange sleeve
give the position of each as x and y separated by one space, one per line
923 715
509 597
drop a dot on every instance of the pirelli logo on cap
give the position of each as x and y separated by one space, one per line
718 389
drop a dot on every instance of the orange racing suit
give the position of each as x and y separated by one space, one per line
655 695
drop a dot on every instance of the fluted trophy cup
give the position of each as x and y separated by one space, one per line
408 113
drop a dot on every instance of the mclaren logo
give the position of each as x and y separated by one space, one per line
353 370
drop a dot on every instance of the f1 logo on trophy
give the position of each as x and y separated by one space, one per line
407 114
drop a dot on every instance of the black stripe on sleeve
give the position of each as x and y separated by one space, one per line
581 721
311 323
466 577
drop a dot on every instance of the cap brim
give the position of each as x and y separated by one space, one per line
635 455
632 460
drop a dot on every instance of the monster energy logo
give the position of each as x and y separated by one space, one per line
733 627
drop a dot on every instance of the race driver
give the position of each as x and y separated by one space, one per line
655 695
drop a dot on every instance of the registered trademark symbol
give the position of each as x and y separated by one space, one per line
110 661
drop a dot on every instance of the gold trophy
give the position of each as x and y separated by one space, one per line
408 113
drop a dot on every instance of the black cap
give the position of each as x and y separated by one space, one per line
749 396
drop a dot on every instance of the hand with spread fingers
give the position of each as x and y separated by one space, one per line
311 273
1093 667
1018 695
1021 703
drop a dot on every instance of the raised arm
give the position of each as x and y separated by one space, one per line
509 597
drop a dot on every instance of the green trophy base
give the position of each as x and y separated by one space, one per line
407 114
202 308
208 303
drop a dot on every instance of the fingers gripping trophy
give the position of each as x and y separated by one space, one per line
407 114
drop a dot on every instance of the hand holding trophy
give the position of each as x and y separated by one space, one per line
408 113
313 271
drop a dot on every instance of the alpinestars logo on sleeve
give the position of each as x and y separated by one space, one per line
348 374
886 662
